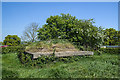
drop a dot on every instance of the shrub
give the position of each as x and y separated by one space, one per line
110 50
12 40
28 61
25 58
13 49
98 52
64 59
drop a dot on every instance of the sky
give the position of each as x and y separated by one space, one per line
16 16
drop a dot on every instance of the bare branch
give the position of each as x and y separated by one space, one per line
30 33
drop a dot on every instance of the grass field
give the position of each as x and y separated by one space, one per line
96 66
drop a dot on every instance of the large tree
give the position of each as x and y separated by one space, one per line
12 40
30 33
82 32
57 27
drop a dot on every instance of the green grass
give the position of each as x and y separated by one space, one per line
97 66
60 45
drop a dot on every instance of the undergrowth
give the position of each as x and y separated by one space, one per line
96 66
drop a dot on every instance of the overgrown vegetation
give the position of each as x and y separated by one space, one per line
112 37
111 50
62 33
65 26
48 46
12 40
96 66
13 49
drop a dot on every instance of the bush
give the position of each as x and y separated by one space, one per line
110 50
25 58
28 61
98 52
13 49
12 40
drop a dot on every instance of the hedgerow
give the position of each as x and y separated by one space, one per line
110 50
13 49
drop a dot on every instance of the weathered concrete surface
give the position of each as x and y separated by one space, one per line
62 54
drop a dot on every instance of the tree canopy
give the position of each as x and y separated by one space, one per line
111 36
12 40
65 26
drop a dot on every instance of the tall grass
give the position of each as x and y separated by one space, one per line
96 66
47 46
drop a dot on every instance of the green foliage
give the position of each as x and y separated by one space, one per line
81 32
98 52
25 43
103 66
12 40
50 45
8 62
25 59
110 50
55 41
13 49
1 43
111 37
